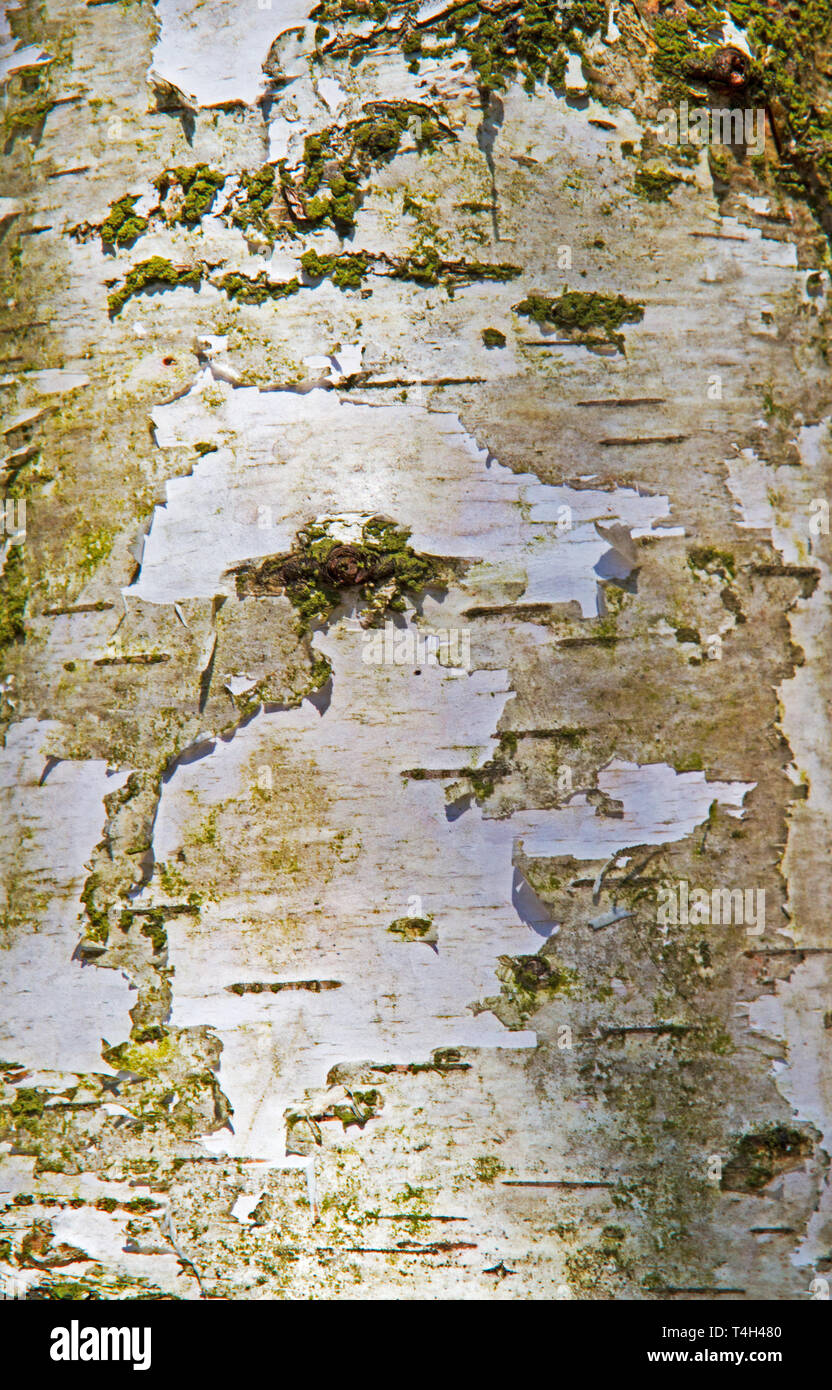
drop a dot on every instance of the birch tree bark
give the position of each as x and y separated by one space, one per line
414 619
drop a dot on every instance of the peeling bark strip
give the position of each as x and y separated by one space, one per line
340 336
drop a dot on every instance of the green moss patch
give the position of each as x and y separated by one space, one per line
14 592
427 267
199 183
763 1155
709 560
488 1168
346 271
26 114
682 45
122 225
484 779
529 40
252 210
360 1107
493 338
155 273
65 1290
411 928
28 1105
528 982
97 929
793 44
588 316
656 185
95 547
789 76
321 568
256 289
338 161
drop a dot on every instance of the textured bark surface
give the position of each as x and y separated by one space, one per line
420 610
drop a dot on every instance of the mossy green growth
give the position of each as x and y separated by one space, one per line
530 41
154 929
489 270
488 1167
199 183
684 633
95 547
677 50
28 1105
534 974
761 1156
378 139
655 185
317 208
314 575
709 559
528 983
98 923
426 267
536 306
685 44
253 211
145 1055
386 544
14 592
26 116
584 313
65 1290
257 289
155 272
719 163
789 76
793 44
122 225
347 271
774 409
338 160
501 271
493 338
363 1106
141 1205
411 928
331 179
485 778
